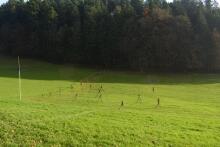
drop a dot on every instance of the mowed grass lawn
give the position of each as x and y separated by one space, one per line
61 106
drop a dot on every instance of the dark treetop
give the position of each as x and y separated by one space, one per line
130 34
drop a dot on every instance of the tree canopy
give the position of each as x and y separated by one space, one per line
131 34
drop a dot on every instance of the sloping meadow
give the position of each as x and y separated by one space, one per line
64 105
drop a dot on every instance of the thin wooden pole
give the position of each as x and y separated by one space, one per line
19 77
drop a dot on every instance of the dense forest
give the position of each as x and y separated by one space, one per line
130 34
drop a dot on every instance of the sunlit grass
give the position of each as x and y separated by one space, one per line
61 106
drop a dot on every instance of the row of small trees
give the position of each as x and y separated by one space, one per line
131 34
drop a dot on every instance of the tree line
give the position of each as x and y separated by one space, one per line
130 34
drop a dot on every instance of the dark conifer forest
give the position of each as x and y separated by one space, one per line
128 34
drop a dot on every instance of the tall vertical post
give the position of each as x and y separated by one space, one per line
19 77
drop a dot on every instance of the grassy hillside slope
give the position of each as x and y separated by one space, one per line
61 106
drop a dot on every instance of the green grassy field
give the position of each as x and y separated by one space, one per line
61 106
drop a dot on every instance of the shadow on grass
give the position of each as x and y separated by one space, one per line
37 70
